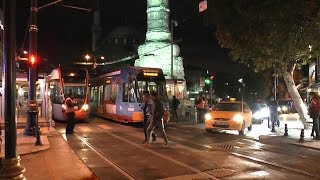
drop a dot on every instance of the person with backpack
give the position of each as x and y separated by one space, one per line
70 112
156 119
314 109
175 105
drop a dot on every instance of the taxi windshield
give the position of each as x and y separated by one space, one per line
228 107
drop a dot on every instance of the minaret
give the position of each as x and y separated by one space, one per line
96 28
157 51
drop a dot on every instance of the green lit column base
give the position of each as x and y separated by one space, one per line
10 169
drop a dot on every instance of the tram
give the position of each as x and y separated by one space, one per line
117 95
74 82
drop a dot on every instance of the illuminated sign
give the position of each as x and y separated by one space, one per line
153 74
114 73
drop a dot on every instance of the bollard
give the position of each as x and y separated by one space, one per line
285 130
301 140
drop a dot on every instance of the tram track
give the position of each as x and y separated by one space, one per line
239 155
195 170
182 141
250 158
105 158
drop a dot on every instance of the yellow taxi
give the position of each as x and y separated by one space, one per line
229 115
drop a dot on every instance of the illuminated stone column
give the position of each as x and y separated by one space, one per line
156 51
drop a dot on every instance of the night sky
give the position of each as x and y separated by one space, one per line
65 34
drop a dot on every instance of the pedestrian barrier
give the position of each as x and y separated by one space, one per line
301 140
285 130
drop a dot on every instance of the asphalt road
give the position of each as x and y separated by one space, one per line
114 151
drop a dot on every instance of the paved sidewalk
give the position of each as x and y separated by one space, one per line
53 160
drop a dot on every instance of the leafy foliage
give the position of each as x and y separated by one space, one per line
262 33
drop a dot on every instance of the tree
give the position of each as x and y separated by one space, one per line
279 34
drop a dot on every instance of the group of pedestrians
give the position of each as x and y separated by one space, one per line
153 112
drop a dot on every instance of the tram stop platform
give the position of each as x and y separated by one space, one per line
53 160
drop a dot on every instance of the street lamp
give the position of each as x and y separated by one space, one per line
102 57
87 57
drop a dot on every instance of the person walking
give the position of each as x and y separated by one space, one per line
70 112
200 104
147 112
156 119
273 113
175 105
314 109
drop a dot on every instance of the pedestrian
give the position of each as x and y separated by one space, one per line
200 104
70 112
147 112
273 106
175 105
314 109
156 118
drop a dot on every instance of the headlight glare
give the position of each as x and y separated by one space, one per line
85 107
207 116
238 118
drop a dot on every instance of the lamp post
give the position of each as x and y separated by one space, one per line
242 87
32 127
172 24
10 167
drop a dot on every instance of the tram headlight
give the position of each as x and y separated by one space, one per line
85 107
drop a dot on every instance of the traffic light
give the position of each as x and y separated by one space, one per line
207 81
32 59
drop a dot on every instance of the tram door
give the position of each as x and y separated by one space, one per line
100 99
94 99
129 100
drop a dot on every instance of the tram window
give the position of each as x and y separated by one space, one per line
76 91
128 93
114 90
107 91
55 92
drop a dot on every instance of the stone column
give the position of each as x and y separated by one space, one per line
156 51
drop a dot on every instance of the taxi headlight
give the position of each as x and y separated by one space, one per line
207 116
284 108
64 107
238 118
85 107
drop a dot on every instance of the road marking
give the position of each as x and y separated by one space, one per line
112 163
275 164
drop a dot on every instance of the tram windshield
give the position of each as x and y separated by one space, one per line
157 86
77 92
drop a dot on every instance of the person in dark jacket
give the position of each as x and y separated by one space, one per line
156 120
175 105
314 109
147 112
273 106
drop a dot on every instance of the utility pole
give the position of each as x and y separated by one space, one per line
10 167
